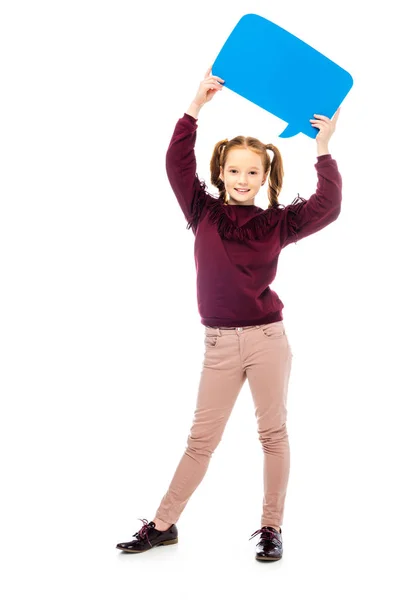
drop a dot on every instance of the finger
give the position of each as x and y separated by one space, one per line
322 125
322 117
208 71
215 79
214 85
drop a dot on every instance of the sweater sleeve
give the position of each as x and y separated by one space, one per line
181 170
303 217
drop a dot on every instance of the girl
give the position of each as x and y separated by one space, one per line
237 246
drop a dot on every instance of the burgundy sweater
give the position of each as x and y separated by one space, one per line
236 248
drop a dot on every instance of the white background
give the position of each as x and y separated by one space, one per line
101 341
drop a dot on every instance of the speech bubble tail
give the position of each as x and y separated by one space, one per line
290 131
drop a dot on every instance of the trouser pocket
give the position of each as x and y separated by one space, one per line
274 330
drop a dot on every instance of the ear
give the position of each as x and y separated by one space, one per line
221 173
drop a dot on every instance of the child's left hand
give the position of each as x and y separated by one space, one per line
326 126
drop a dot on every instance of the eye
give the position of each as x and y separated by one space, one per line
232 170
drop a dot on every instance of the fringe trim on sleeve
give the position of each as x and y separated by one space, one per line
293 210
198 203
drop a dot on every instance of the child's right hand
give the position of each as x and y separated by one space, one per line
207 88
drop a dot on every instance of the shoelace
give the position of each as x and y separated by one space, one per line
144 530
266 534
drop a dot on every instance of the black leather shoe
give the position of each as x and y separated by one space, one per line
270 545
148 537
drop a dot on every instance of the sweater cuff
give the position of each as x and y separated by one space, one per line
191 119
323 157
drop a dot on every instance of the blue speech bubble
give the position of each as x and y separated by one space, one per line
282 74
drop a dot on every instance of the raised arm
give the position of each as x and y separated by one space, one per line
181 165
181 160
304 217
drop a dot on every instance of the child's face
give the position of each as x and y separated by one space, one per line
243 170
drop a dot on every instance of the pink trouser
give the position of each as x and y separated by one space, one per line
262 354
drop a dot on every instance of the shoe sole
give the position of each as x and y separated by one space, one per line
267 558
166 543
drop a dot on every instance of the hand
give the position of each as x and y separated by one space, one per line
207 88
326 126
